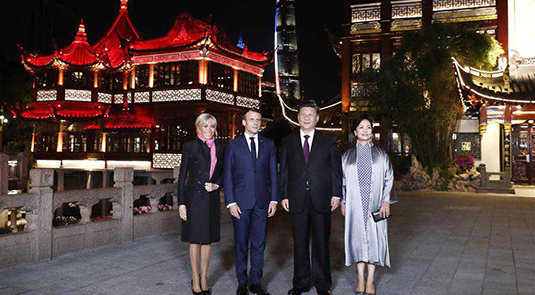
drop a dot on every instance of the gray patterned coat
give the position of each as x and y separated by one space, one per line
371 245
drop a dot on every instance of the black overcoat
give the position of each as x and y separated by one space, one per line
202 225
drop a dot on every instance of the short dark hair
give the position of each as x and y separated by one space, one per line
244 116
360 118
308 104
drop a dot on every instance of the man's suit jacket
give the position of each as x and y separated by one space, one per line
321 176
246 183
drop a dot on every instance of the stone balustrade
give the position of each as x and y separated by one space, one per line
40 241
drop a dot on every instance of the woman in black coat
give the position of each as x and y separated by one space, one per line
198 193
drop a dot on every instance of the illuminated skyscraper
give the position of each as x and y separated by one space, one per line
287 61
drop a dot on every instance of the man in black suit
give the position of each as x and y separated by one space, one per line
311 187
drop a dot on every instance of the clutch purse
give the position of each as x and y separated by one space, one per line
377 216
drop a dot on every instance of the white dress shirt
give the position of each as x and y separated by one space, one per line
248 140
310 140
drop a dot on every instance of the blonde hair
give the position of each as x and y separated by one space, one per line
202 118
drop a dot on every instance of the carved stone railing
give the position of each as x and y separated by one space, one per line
502 185
41 241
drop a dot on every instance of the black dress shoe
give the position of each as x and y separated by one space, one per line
326 292
257 289
242 290
297 291
206 292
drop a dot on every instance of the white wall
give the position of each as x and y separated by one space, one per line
490 147
521 27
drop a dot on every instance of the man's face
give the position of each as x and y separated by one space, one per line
308 118
252 122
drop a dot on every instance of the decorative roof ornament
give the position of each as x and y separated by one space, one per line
240 42
124 4
81 35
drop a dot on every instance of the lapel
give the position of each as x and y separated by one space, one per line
316 143
205 152
261 148
298 147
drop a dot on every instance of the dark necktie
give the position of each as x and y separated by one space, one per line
253 150
306 149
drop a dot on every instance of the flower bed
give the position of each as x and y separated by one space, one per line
100 218
65 220
165 208
142 210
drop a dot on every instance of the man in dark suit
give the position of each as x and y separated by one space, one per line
251 187
311 187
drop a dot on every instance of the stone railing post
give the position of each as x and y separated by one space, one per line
124 178
85 211
4 173
41 181
508 177
176 172
484 176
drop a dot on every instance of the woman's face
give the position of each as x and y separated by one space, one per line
364 131
207 129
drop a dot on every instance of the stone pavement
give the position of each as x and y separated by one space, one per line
441 243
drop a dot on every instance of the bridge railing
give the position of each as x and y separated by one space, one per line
35 238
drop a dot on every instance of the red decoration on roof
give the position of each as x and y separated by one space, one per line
38 111
185 31
64 109
78 53
127 120
190 32
72 109
122 30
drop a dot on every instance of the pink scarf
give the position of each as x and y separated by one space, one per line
213 158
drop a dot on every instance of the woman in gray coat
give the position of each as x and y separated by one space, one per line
367 184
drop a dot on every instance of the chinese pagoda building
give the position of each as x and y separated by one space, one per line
129 102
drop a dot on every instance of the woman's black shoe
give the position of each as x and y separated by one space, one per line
193 291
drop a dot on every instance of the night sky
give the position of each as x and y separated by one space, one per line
254 20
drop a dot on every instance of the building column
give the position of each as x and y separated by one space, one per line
61 180
95 79
346 56
503 25
105 179
90 184
151 75
133 78
203 71
235 80
4 181
386 55
60 77
427 13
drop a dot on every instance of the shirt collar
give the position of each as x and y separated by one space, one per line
368 144
248 136
311 134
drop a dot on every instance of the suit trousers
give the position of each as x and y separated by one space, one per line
320 223
250 229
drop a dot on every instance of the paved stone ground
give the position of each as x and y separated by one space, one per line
441 243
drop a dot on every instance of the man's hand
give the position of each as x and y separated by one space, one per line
272 209
182 212
343 210
210 186
286 205
334 203
235 211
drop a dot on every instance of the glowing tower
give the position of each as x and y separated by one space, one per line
286 58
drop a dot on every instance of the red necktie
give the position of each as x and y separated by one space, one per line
306 149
